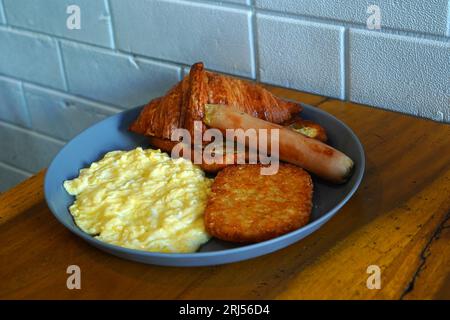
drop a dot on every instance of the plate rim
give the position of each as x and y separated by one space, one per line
210 254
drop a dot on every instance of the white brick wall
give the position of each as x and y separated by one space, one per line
33 15
314 64
54 82
116 78
186 32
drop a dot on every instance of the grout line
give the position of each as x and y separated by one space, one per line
345 62
122 53
254 43
150 59
180 73
25 102
448 19
106 50
33 133
215 3
35 33
354 25
294 16
3 12
45 87
112 34
14 168
62 65
66 95
264 11
185 67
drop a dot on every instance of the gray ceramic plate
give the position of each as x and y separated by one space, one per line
111 134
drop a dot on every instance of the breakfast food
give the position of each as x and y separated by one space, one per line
307 128
148 200
167 145
184 103
142 199
245 206
310 154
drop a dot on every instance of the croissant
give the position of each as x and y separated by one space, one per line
185 103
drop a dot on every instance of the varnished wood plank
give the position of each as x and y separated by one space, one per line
39 271
392 219
432 276
393 241
22 197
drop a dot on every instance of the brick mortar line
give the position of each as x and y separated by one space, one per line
3 12
353 25
254 42
181 65
448 19
216 3
62 66
32 33
32 132
273 13
25 102
117 108
83 99
68 95
112 33
54 92
93 46
14 168
345 61
333 21
117 51
297 16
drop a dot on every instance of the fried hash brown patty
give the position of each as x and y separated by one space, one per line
245 206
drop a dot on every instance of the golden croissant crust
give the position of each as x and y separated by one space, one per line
185 102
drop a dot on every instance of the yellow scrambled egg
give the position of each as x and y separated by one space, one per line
142 199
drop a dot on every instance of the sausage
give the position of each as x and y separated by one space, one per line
310 154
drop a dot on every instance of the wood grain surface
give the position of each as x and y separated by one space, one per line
399 220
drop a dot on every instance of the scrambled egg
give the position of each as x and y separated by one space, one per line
142 199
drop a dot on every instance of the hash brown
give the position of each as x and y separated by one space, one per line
245 206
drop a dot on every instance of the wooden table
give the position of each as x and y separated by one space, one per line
399 219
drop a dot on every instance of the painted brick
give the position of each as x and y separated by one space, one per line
400 73
301 55
413 15
30 57
60 115
448 23
25 149
186 69
114 78
245 2
186 32
2 13
50 16
10 176
12 104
